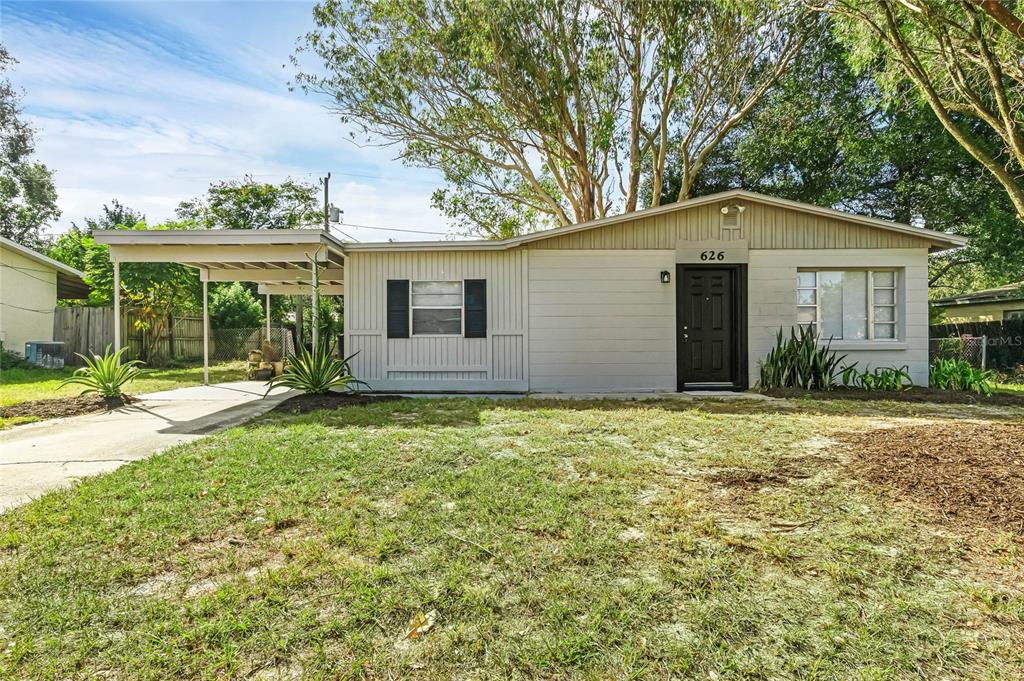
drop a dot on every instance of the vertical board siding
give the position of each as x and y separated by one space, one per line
762 226
601 321
496 362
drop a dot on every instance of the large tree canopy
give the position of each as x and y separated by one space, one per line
965 59
28 200
550 111
248 204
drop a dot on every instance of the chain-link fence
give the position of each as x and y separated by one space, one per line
969 348
234 344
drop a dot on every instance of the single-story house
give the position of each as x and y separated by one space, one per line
689 295
1003 303
30 284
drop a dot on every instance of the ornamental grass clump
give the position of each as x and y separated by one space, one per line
959 374
316 372
800 362
106 375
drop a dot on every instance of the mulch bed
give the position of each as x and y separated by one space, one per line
965 471
915 394
63 406
303 404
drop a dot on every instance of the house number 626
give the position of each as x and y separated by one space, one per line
712 255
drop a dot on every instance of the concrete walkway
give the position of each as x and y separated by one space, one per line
38 457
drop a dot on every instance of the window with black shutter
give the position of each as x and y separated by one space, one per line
476 308
398 308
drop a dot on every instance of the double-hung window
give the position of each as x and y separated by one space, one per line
848 304
436 308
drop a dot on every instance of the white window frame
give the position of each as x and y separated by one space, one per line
871 305
461 307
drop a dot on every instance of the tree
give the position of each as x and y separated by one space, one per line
233 307
28 200
247 204
70 247
550 111
828 135
966 61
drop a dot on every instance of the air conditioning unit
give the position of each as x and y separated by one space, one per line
48 354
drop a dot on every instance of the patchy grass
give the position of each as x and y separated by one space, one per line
543 539
36 383
16 421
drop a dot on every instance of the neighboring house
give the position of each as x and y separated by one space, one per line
30 284
685 296
1002 303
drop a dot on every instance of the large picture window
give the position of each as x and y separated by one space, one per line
436 308
848 304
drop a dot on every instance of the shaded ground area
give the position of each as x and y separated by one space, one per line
966 471
915 394
303 404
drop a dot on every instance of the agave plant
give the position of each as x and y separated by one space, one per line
316 372
959 374
105 375
799 362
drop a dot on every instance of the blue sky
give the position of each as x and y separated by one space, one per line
149 102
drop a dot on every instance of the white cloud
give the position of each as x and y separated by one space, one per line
151 118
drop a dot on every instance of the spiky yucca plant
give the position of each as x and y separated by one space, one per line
799 362
316 372
105 374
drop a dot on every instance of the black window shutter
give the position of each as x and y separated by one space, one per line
398 308
476 308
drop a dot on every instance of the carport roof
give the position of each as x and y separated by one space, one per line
280 260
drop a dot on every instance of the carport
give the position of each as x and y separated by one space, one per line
291 262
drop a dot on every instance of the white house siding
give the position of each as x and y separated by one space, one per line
771 304
601 321
494 363
28 294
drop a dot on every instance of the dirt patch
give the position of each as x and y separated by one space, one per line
965 471
63 406
915 394
303 404
741 477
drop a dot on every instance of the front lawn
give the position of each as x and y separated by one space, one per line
23 384
495 539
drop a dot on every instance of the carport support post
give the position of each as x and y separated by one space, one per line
206 333
117 308
268 322
316 304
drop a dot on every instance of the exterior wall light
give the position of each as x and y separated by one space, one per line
666 276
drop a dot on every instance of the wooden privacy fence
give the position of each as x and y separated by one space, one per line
1004 341
89 330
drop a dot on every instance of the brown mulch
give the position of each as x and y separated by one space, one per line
63 406
303 404
915 394
965 471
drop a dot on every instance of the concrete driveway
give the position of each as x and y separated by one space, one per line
38 457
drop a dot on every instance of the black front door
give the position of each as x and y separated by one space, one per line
706 315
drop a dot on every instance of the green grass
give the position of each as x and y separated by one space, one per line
559 539
35 383
1009 387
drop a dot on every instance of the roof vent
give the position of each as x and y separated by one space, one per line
731 217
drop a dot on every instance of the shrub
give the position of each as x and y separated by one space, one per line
11 360
882 378
104 375
233 307
316 372
799 362
959 374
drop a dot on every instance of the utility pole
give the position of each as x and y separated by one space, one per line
326 182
